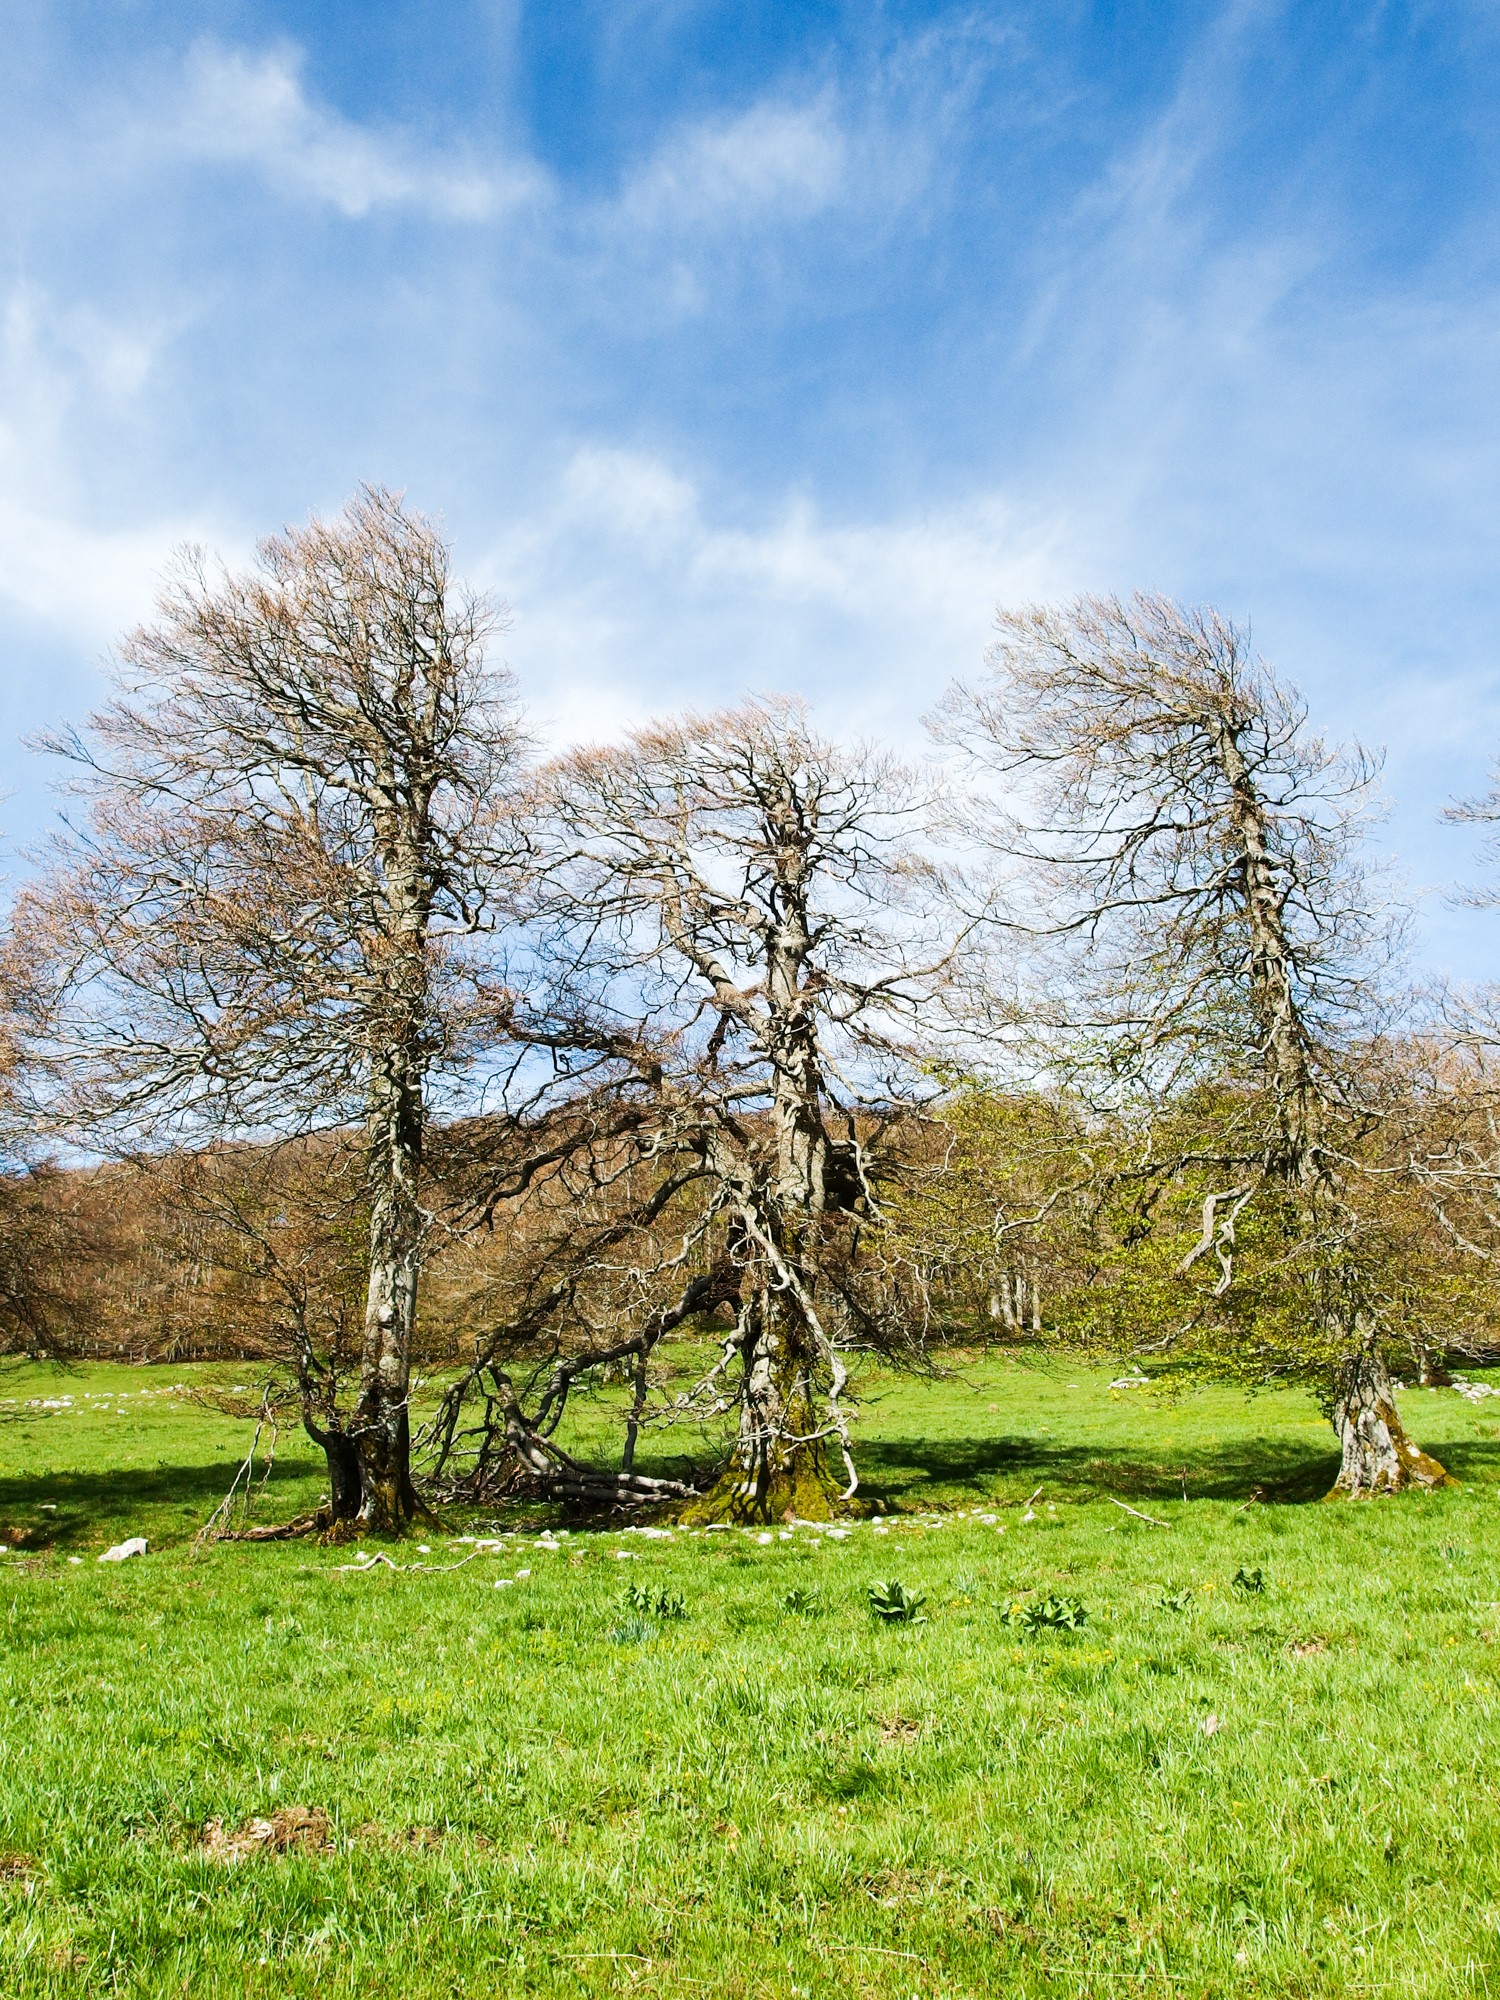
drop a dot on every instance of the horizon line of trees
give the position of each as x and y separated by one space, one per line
726 1044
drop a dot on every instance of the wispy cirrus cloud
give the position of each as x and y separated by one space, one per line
770 161
251 108
774 360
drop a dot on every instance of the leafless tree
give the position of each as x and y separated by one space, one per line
740 920
1201 844
1457 1151
43 1234
278 913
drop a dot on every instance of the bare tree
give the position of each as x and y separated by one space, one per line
45 1232
1458 1151
276 917
740 921
1201 843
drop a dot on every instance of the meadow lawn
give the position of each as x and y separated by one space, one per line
519 1771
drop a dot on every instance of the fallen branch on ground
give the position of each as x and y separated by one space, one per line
1149 1519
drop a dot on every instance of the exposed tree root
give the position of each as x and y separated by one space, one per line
284 1531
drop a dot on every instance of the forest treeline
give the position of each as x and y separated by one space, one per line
343 1031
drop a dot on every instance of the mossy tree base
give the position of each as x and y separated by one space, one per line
803 1489
1378 1456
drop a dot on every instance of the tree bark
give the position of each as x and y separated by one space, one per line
343 1469
381 1426
779 1469
1378 1456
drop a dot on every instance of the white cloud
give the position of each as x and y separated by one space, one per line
90 584
773 160
630 598
252 109
68 374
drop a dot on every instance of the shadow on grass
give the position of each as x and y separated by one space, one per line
904 1470
1469 1459
86 1500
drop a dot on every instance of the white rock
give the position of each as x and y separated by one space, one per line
123 1551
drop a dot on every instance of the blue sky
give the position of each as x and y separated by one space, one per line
769 346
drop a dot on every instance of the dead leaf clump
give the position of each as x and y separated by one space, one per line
291 1829
899 1729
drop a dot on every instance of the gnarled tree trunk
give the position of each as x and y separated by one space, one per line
779 1468
1378 1456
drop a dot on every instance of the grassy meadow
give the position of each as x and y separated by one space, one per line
567 1760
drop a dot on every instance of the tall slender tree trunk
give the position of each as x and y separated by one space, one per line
1377 1455
780 1468
381 1427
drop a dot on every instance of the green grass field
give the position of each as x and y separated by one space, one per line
544 1789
